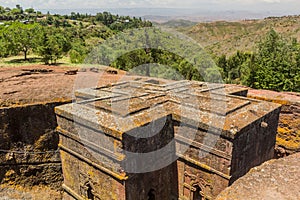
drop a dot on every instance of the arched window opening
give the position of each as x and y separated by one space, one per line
90 194
151 194
197 194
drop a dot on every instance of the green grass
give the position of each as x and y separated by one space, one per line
19 61
15 61
34 60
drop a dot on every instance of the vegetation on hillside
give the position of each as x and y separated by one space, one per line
52 36
154 52
223 37
275 65
264 61
263 54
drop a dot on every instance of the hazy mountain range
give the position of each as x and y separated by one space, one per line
166 14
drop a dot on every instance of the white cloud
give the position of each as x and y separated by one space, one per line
272 1
241 2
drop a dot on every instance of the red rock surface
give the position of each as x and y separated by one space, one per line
283 98
273 180
19 86
41 193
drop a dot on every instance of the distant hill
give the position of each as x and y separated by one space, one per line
228 37
203 14
180 23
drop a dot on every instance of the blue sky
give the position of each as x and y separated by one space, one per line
252 5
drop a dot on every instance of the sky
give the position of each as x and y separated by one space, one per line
291 6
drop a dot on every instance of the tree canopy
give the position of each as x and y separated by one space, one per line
275 65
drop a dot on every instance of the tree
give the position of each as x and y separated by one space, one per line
19 7
237 68
16 11
21 37
2 10
222 63
77 53
277 67
52 45
29 10
274 66
3 43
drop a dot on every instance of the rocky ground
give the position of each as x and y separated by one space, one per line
44 86
42 83
273 180
277 179
35 193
